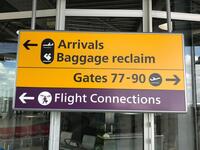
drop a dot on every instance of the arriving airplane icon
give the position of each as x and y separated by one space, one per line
48 45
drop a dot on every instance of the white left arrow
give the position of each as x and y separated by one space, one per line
23 97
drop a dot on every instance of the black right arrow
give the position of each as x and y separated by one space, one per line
27 44
176 79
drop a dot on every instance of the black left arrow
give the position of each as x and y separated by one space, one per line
27 44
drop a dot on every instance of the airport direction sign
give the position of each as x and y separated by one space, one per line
91 71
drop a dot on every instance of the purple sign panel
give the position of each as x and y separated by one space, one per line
84 99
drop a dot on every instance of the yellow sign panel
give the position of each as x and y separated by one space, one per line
101 78
100 60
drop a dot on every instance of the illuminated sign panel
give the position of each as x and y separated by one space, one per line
90 71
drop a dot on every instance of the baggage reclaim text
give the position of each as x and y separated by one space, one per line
95 98
98 59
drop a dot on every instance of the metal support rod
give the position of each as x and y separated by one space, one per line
55 117
149 9
169 22
60 17
54 133
149 134
33 19
147 15
194 97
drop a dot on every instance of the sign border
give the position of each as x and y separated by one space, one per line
100 110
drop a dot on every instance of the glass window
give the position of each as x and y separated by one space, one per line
15 5
185 27
102 131
47 23
185 6
104 24
177 130
196 42
25 5
46 4
198 123
104 4
19 129
9 28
